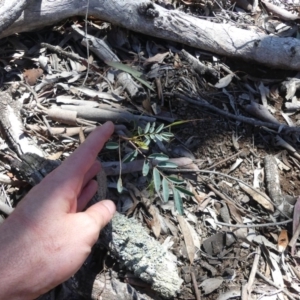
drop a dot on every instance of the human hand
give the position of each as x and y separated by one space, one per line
48 237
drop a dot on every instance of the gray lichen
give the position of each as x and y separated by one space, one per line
143 255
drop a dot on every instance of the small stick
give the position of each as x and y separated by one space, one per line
254 225
253 271
275 285
197 292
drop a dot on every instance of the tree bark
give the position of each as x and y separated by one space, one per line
145 17
11 11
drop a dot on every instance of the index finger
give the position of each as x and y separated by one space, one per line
84 156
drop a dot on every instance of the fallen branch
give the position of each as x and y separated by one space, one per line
203 103
148 18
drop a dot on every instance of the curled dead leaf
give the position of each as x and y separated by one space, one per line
260 197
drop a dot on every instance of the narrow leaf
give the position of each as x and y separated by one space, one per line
125 68
140 130
223 82
167 134
175 180
159 156
120 185
166 190
159 137
178 202
159 128
167 164
146 167
111 145
147 127
152 128
136 74
184 191
188 238
157 180
130 156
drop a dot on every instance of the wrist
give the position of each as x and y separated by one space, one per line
22 266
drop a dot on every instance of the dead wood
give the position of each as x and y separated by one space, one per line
203 103
11 11
103 51
103 115
148 18
11 124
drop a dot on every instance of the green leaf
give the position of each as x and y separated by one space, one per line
175 180
136 74
143 145
130 156
167 134
157 180
140 130
159 128
159 156
147 142
152 136
159 137
167 164
167 139
120 185
146 167
147 127
111 145
184 191
178 202
152 128
166 190
125 68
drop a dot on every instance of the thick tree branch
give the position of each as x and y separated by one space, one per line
145 17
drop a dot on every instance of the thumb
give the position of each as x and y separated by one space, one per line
102 212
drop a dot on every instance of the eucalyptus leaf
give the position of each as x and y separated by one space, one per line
136 74
166 190
178 202
159 156
157 180
125 68
167 164
146 167
184 191
111 145
175 180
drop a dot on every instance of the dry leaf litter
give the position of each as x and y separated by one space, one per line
226 203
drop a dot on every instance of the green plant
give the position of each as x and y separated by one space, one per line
164 185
